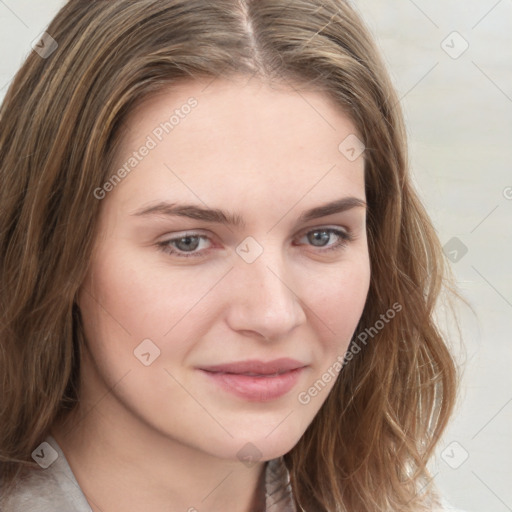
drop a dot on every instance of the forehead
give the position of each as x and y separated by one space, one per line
221 140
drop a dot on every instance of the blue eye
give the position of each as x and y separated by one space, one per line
320 238
183 246
188 245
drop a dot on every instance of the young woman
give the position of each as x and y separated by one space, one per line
217 279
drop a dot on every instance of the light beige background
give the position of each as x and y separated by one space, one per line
458 109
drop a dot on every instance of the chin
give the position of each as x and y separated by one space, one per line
266 444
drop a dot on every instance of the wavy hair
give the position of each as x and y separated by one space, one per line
60 125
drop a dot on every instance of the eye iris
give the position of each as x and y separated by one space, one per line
187 243
319 236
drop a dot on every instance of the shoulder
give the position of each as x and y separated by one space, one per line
50 489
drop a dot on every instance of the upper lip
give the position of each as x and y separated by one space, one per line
256 367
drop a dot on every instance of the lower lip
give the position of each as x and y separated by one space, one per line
256 389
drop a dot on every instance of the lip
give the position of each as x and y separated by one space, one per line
255 380
284 364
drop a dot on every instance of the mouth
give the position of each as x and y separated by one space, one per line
256 381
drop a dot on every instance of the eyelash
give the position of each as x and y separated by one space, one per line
344 239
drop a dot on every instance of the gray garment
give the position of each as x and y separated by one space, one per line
55 488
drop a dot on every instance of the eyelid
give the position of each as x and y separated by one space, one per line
186 232
209 234
326 227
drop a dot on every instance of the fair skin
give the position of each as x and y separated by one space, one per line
165 437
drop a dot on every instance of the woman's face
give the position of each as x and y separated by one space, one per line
230 270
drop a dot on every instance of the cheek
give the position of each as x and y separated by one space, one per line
124 301
337 300
140 299
336 308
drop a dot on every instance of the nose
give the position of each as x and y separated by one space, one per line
263 299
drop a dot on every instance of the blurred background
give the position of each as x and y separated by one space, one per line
451 62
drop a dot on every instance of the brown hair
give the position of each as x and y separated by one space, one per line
60 123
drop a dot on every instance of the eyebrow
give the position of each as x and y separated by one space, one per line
216 215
